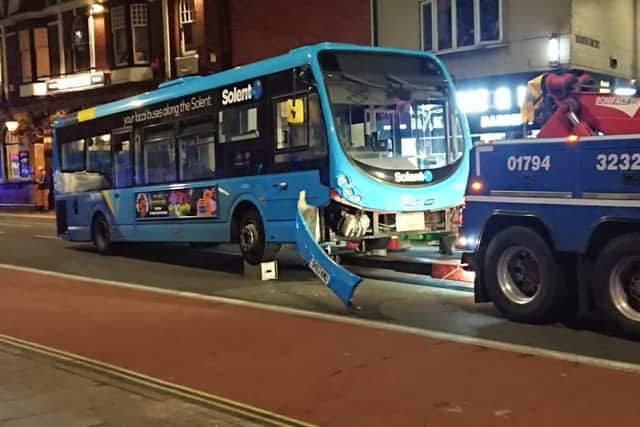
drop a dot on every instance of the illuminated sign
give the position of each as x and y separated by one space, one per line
76 82
500 120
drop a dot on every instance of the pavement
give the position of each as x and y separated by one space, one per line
38 391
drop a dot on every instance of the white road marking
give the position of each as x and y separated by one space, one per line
428 333
42 236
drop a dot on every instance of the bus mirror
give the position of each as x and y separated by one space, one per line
295 111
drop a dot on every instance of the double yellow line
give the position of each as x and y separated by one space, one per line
240 410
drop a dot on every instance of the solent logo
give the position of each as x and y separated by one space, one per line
405 177
252 91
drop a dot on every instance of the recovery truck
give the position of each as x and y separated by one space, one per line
551 225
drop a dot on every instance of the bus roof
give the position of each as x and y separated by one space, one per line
193 84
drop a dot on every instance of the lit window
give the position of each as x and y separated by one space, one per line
120 38
187 13
139 24
453 24
24 43
80 44
41 42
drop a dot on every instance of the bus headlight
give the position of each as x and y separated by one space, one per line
342 180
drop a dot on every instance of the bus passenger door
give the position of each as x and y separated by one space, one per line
121 196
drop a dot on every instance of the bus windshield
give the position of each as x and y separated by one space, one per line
392 112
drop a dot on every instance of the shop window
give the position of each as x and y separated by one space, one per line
24 43
187 13
140 30
80 44
41 42
99 154
159 155
12 152
72 156
197 149
120 36
239 123
453 24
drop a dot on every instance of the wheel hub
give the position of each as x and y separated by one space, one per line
519 275
624 286
248 237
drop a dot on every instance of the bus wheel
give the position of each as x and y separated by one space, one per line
617 283
522 276
252 239
101 235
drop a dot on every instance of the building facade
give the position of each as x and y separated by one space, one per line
493 47
59 56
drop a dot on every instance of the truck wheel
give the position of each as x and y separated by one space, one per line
617 283
522 277
252 239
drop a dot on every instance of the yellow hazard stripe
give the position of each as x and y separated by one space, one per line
88 114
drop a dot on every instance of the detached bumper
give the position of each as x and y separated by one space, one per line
341 281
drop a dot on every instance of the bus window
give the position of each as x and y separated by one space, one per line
72 157
291 127
300 141
99 155
238 124
197 149
159 155
122 169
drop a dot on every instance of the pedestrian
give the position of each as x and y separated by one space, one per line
42 190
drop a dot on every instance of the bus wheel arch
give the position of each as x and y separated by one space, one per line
248 230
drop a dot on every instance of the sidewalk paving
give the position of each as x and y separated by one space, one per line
320 371
37 391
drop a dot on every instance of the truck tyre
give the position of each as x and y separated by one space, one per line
522 277
616 283
252 239
101 235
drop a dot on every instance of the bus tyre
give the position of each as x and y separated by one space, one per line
616 283
101 235
252 239
522 277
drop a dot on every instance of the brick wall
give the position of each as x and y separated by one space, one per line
261 29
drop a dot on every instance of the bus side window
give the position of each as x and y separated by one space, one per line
238 123
99 155
197 149
72 156
159 153
300 140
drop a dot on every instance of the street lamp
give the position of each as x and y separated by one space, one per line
96 8
11 125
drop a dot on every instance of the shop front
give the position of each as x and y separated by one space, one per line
26 138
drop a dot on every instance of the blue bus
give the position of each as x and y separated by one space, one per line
372 135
